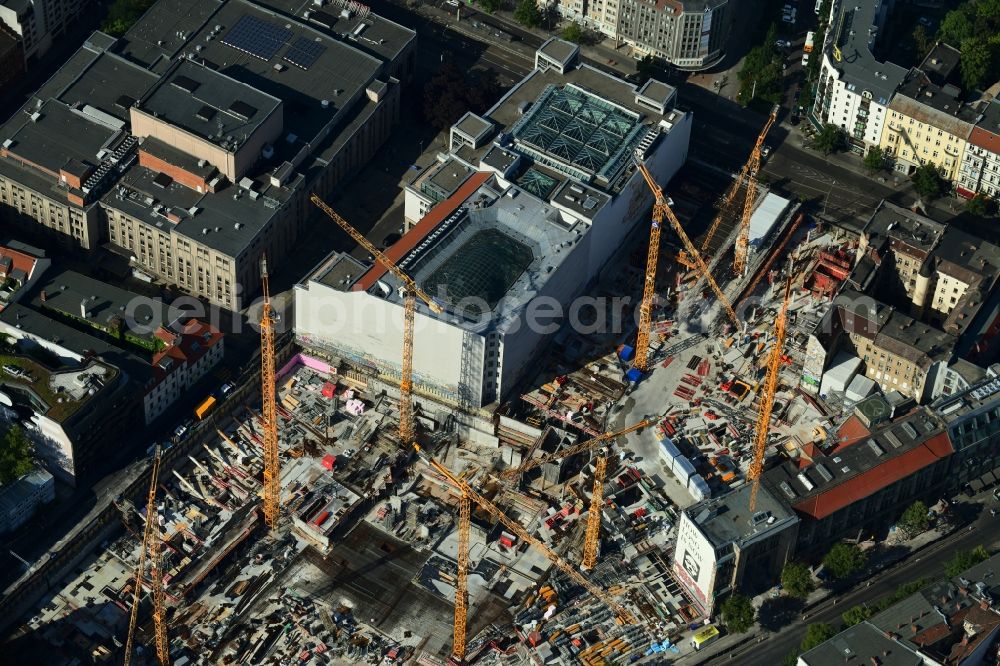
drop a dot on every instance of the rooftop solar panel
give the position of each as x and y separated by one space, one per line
304 52
257 37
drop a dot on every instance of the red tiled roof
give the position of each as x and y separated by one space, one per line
851 432
196 338
420 230
876 478
985 139
19 260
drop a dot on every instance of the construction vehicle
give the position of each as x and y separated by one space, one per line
151 544
515 528
749 174
661 211
407 425
756 468
586 445
269 408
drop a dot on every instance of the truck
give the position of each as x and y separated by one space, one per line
808 46
206 406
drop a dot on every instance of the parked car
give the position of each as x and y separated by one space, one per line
783 44
924 21
765 151
225 390
181 431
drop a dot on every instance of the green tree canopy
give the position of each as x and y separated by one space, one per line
737 614
573 33
927 181
964 559
123 14
16 455
914 520
760 76
958 25
817 633
796 580
844 560
830 139
857 614
978 63
450 93
490 6
875 159
978 206
528 14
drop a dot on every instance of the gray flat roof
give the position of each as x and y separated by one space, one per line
38 324
208 104
156 37
65 290
559 50
861 644
657 90
850 31
727 519
473 125
217 215
379 36
892 221
111 83
59 134
339 271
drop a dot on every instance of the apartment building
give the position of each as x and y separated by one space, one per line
21 498
868 478
689 35
979 172
855 87
38 22
927 122
192 143
11 57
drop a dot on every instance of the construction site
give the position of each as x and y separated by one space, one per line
346 517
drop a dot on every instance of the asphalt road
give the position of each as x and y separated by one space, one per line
927 562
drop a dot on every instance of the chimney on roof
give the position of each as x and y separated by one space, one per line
914 628
43 296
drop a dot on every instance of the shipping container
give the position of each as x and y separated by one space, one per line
205 407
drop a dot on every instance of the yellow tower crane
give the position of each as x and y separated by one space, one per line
745 176
149 534
407 426
592 538
661 211
269 409
767 399
750 170
467 493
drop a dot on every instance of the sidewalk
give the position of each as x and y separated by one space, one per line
879 563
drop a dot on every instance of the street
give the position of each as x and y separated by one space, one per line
985 530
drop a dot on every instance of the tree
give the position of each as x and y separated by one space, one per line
450 93
921 41
817 633
528 14
737 614
927 181
830 139
857 614
978 206
875 160
16 455
491 6
573 33
965 559
797 580
957 26
844 560
978 62
123 14
914 520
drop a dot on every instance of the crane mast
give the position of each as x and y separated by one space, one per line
649 282
151 526
767 399
518 530
751 169
462 577
593 534
585 445
269 408
407 425
159 596
662 207
747 173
